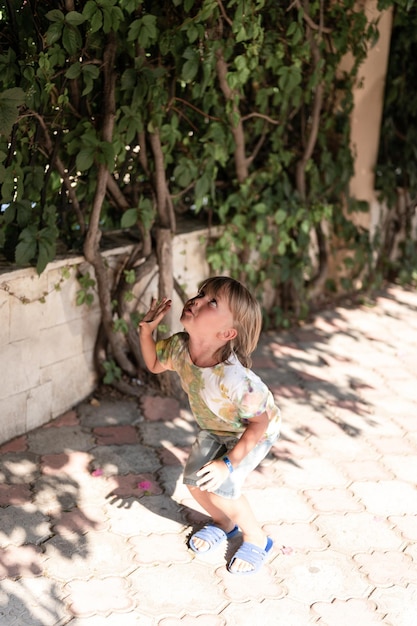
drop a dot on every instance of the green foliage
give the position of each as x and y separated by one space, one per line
112 372
85 294
234 146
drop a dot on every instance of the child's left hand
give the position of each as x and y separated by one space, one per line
212 475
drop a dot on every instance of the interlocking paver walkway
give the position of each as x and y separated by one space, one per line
95 518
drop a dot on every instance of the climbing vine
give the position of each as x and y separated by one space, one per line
137 115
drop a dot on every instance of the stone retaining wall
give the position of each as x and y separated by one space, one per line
47 341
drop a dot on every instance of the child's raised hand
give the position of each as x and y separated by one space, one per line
155 314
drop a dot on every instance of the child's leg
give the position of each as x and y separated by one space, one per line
226 513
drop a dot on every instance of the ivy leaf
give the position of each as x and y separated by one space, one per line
96 21
190 67
202 186
55 16
73 71
129 218
143 30
27 246
47 247
71 39
280 216
54 33
24 213
10 101
85 158
74 18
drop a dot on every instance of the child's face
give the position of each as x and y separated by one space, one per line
207 313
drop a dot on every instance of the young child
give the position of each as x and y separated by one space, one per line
235 410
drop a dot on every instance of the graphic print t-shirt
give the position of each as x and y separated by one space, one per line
223 398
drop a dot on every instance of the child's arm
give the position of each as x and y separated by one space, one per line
146 328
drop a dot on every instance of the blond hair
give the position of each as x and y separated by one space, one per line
247 317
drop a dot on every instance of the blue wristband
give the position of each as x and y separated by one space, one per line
228 463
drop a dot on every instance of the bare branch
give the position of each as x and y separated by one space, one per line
91 245
191 106
224 14
236 125
308 20
262 116
165 209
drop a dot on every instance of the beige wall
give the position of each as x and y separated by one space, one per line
47 341
367 115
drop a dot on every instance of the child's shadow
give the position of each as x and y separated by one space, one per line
144 472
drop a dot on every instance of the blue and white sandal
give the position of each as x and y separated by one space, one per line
254 555
213 535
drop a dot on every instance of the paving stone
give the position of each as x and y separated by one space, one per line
18 468
70 418
297 536
109 413
95 554
321 576
19 444
80 520
371 470
14 494
53 494
174 455
176 432
125 459
404 466
333 500
157 408
311 473
387 497
164 549
399 603
406 525
199 620
387 568
107 527
168 587
357 532
171 479
348 612
23 524
32 602
281 504
133 618
18 561
117 435
133 485
99 596
284 504
342 448
244 588
265 476
393 445
291 451
71 463
157 514
58 440
271 612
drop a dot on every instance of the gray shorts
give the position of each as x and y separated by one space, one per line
208 447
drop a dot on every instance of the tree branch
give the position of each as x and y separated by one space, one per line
91 245
241 162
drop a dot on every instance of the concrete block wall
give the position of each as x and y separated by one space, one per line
47 341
